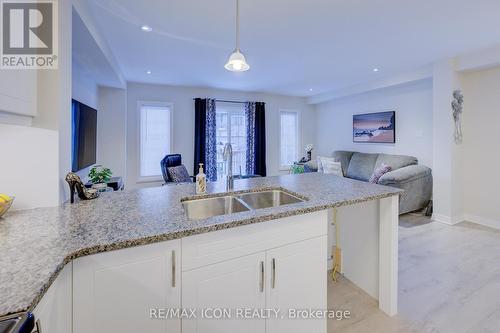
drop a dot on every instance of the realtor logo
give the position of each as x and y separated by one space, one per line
29 34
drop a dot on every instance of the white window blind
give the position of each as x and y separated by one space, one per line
289 124
155 139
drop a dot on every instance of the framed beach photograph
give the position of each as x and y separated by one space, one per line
377 127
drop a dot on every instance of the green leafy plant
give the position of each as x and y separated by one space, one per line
297 169
99 174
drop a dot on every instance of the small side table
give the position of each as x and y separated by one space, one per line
116 183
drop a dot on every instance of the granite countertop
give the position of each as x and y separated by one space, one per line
36 244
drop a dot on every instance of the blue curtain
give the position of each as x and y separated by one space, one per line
260 139
200 129
255 113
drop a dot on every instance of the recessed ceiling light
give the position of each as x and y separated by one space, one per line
375 69
310 89
148 72
146 28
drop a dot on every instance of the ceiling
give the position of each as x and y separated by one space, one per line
89 62
292 46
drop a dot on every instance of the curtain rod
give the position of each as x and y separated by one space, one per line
228 101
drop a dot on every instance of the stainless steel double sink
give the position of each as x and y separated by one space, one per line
197 209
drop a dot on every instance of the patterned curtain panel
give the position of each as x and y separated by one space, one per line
211 142
250 153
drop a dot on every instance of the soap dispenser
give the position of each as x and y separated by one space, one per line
201 181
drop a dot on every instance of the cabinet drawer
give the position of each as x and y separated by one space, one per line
214 247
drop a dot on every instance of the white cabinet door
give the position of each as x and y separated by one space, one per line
115 291
53 313
297 279
232 284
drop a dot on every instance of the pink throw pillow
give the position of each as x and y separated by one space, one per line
379 172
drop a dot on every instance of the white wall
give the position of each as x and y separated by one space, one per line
182 98
64 96
447 186
83 87
111 130
29 167
54 97
414 130
481 120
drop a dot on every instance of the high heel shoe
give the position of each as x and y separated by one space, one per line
76 185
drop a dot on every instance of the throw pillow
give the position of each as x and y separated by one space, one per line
334 168
179 174
379 172
321 160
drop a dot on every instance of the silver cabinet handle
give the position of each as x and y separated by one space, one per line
273 277
173 268
261 285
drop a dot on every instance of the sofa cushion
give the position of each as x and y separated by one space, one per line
361 166
395 161
344 157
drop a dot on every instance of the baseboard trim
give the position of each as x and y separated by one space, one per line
482 221
467 218
446 219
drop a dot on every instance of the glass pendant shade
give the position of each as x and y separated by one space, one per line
237 62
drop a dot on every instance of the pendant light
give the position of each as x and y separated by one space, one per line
237 61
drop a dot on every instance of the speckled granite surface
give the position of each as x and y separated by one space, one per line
36 244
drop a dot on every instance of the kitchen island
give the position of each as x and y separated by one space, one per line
37 245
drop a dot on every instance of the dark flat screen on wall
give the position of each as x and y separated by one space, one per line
84 135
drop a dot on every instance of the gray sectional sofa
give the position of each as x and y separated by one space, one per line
407 174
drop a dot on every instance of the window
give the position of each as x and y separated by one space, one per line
289 142
232 128
155 138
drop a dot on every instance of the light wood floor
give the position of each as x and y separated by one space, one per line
449 282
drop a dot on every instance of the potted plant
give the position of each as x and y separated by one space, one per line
99 176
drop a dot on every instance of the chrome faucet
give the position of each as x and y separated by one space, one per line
228 159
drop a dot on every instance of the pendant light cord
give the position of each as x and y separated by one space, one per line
237 25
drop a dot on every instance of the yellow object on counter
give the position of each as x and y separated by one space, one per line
5 203
5 198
